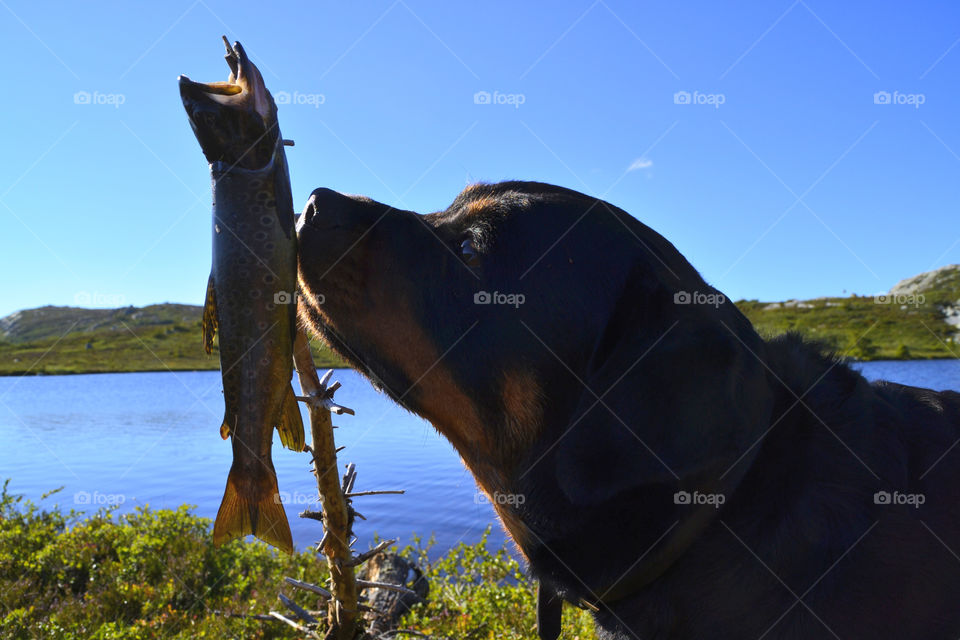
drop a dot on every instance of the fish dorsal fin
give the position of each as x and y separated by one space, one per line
209 316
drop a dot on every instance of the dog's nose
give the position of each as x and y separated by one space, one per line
327 208
323 202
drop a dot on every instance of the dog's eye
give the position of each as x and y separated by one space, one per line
468 251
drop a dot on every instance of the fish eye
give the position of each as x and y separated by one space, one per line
469 253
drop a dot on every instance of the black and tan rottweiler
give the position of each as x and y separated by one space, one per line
679 475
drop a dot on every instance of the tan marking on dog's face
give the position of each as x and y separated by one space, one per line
522 400
399 340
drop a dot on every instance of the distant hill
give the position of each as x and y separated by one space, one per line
918 318
158 337
53 322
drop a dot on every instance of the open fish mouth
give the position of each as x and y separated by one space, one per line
235 121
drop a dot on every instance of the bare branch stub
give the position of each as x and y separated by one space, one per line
300 612
366 555
306 586
296 625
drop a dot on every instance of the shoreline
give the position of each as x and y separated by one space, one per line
40 374
43 374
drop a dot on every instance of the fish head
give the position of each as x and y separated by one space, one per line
235 121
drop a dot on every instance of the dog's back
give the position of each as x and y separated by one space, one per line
845 526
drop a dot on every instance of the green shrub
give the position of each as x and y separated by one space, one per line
477 593
155 574
147 574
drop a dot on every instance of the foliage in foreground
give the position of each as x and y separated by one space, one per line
156 574
476 593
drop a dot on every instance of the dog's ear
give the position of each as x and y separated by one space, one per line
676 392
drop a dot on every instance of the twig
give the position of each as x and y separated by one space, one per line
302 613
293 623
251 616
356 494
368 584
366 555
349 477
306 586
325 403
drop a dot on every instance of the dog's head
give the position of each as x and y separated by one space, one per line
539 328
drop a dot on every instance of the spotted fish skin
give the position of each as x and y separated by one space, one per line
250 301
254 282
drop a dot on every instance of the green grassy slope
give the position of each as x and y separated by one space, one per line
909 322
54 340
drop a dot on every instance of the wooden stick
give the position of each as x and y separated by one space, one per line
355 494
293 623
368 584
342 614
366 555
301 613
306 586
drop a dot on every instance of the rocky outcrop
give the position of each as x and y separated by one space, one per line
927 280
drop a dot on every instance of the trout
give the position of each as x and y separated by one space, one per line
251 299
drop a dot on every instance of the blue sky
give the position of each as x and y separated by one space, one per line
782 177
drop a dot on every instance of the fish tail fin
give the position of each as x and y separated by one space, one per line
290 425
251 504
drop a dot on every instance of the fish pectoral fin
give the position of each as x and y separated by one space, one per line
210 317
252 505
290 425
225 429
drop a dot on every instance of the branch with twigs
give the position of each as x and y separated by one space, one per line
343 600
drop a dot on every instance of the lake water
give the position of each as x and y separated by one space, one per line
152 438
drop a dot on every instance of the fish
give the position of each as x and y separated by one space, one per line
251 293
